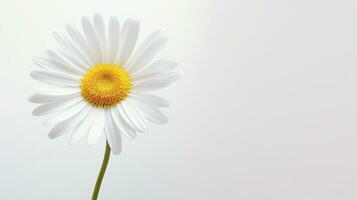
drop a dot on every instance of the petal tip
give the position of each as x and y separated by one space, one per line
176 77
31 99
51 137
36 113
116 152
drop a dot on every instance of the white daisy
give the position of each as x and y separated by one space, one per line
96 84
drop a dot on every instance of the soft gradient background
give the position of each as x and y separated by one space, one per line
267 109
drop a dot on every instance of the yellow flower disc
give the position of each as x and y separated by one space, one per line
105 85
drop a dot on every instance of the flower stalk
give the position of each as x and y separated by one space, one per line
101 172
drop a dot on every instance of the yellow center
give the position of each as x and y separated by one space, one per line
105 85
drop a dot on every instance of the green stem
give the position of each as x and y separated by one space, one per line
101 172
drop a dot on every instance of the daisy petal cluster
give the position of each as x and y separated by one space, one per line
98 82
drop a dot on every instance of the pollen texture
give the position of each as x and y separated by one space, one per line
105 85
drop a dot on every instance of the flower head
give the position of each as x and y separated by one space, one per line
97 84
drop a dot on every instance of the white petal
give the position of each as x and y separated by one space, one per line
128 39
92 40
68 125
59 59
49 108
81 108
154 37
59 130
112 134
113 39
79 40
101 35
170 76
51 90
45 98
135 116
146 53
121 124
151 113
98 127
75 61
124 117
56 65
151 84
55 78
83 127
68 46
155 68
151 99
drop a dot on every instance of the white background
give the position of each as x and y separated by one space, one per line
267 109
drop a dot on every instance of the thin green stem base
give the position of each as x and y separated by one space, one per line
101 172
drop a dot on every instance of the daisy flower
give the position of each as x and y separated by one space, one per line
97 84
